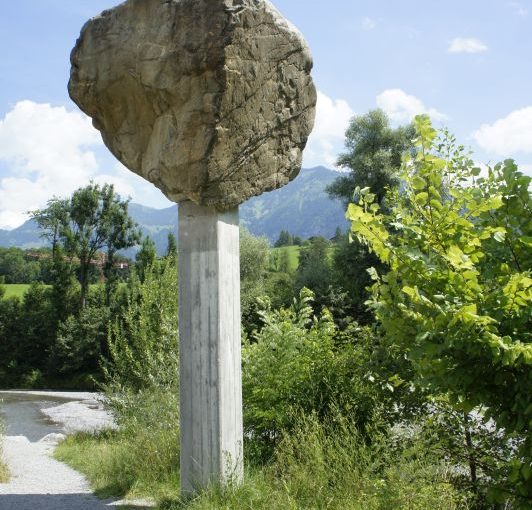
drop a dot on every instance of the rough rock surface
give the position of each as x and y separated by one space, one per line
210 100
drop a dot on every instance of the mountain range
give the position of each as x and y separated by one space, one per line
302 207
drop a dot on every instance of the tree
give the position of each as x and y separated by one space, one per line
52 220
143 340
374 152
16 269
146 257
314 269
350 263
171 248
94 218
254 260
457 296
285 239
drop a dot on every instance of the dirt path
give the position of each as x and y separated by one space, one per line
35 423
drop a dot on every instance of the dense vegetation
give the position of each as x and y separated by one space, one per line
387 368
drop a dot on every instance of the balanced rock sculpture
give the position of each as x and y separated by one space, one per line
211 101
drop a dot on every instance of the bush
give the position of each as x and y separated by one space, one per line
143 342
295 362
457 297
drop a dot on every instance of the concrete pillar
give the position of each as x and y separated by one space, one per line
210 361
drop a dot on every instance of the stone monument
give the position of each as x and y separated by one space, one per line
212 101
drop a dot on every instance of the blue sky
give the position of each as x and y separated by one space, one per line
468 63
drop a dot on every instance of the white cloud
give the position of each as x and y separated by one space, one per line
526 169
508 135
47 151
368 23
466 45
326 141
402 107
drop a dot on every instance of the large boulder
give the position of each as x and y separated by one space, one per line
210 100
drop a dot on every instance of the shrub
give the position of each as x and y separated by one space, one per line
143 341
295 362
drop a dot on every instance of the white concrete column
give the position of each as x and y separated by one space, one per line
210 360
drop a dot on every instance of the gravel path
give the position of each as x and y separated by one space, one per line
39 482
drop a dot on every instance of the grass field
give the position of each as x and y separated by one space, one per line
16 290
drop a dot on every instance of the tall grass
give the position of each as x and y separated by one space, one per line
319 465
329 466
139 459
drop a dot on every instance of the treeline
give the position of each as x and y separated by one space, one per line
26 266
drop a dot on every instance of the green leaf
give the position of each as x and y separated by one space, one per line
499 236
422 198
418 183
526 240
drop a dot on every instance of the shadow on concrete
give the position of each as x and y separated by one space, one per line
61 502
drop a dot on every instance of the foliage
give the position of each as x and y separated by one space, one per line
319 465
478 452
254 260
299 361
15 267
94 218
287 239
457 297
350 262
374 152
145 258
171 248
143 340
314 269
285 259
81 341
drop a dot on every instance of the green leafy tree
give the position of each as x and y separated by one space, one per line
171 248
145 258
285 239
15 268
95 218
143 340
373 156
301 362
314 269
52 221
350 263
458 292
254 262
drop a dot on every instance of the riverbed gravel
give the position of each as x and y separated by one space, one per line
38 481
